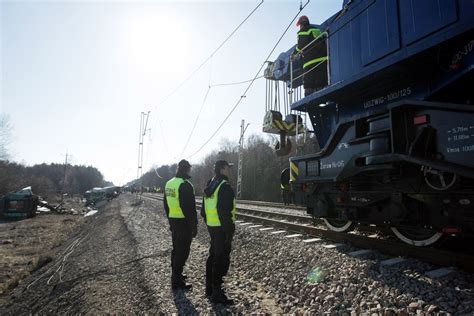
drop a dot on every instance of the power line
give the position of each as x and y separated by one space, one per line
251 83
210 56
204 62
195 122
204 101
234 83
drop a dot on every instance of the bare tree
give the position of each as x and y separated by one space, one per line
5 133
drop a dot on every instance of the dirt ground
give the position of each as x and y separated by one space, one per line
27 245
119 262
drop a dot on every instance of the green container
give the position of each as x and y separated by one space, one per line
18 205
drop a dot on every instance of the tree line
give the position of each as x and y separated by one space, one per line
49 179
45 179
261 169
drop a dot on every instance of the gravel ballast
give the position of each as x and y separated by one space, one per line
120 262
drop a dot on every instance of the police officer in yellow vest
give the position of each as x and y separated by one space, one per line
314 56
219 213
180 207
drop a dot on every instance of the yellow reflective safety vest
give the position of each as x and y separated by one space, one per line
210 203
172 196
315 53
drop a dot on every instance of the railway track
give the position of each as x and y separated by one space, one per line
303 224
271 204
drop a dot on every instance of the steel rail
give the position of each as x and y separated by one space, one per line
431 255
395 248
246 202
304 218
272 204
288 216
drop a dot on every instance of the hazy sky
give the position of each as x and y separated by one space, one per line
75 76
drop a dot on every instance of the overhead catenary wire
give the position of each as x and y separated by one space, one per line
204 101
234 83
202 65
210 56
195 122
250 84
199 114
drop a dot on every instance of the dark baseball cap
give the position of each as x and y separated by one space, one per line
184 164
221 164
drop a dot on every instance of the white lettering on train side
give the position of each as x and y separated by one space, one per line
463 52
391 96
333 165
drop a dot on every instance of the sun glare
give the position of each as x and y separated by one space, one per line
155 42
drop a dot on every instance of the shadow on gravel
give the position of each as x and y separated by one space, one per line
183 304
221 309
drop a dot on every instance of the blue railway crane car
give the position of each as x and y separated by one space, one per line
395 124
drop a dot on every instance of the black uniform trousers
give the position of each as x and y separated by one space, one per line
218 262
182 237
315 78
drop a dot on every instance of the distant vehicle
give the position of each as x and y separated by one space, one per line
19 205
95 195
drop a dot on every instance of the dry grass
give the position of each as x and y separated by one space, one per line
28 245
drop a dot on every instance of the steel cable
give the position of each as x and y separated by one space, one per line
234 83
195 122
204 62
210 56
251 83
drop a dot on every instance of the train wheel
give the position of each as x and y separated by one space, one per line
417 236
338 225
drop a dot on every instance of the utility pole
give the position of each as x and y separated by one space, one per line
143 124
243 128
64 178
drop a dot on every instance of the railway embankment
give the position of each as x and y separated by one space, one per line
27 245
119 262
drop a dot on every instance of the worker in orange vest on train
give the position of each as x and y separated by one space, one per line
314 55
180 206
218 210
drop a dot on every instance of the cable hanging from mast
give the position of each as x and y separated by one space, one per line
207 59
195 122
210 56
250 84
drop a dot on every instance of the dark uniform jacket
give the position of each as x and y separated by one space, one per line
187 201
318 49
225 202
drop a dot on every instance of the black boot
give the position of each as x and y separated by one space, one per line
218 297
181 286
208 287
177 283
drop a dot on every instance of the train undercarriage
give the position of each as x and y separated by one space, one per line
416 213
409 168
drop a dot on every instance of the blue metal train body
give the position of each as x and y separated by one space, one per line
397 110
